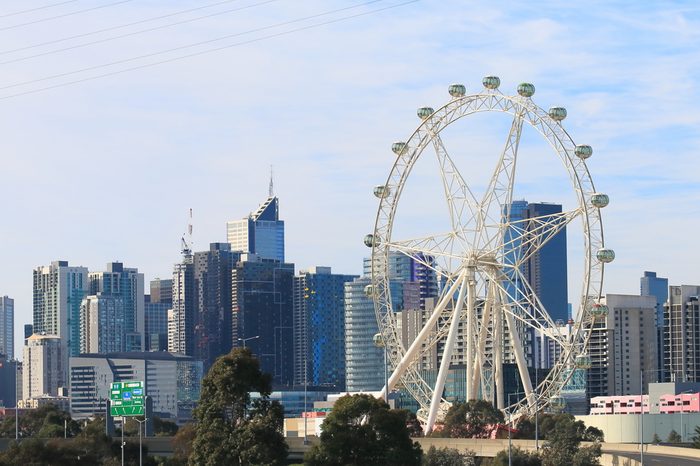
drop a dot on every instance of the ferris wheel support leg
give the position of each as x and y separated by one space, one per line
483 335
446 359
425 331
471 309
516 343
498 353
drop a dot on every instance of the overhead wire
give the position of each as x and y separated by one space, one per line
7 15
196 44
216 49
134 33
51 18
112 28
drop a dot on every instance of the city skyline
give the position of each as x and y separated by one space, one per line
323 107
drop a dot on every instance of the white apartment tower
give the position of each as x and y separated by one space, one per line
43 366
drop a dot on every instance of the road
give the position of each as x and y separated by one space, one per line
651 459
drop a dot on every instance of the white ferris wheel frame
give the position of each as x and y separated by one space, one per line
487 261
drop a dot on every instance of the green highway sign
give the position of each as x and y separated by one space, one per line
127 399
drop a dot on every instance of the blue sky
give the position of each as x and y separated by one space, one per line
107 169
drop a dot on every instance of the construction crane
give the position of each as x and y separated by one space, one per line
186 240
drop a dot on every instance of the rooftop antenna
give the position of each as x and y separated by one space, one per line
272 188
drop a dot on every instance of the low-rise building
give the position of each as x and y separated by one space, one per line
172 381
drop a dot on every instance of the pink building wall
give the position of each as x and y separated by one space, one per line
685 402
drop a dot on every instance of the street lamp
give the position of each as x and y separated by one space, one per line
379 343
510 426
16 404
244 340
145 419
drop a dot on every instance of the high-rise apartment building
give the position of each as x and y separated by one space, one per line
103 324
7 327
319 328
119 283
181 339
364 370
59 289
262 304
9 372
43 366
213 308
261 233
651 285
156 306
682 334
622 345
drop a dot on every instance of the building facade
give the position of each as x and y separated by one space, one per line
213 309
7 327
171 381
123 287
319 328
623 346
261 233
651 285
262 319
43 366
682 334
58 292
10 371
181 339
156 306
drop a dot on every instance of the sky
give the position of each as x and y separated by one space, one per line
102 155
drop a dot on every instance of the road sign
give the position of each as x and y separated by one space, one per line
127 399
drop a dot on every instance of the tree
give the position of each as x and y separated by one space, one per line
520 458
45 422
673 437
473 419
656 440
563 445
227 431
362 430
696 437
448 457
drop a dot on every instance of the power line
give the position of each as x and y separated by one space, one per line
134 33
50 18
112 28
36 9
203 52
182 47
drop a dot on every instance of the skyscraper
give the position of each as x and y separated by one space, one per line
58 292
43 366
682 334
261 233
156 306
622 345
262 320
181 338
651 285
364 361
213 310
319 328
545 270
115 308
7 327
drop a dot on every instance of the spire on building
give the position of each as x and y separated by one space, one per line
272 188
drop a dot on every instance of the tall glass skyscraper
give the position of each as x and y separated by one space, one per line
7 327
546 269
261 233
319 328
651 285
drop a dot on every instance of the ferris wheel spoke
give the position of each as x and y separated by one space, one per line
497 200
541 230
461 202
427 250
525 306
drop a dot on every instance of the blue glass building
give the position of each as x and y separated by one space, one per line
261 233
651 285
319 328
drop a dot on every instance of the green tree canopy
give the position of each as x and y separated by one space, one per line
362 430
473 419
448 457
563 445
227 431
673 437
519 457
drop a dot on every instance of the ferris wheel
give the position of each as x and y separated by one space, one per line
485 301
